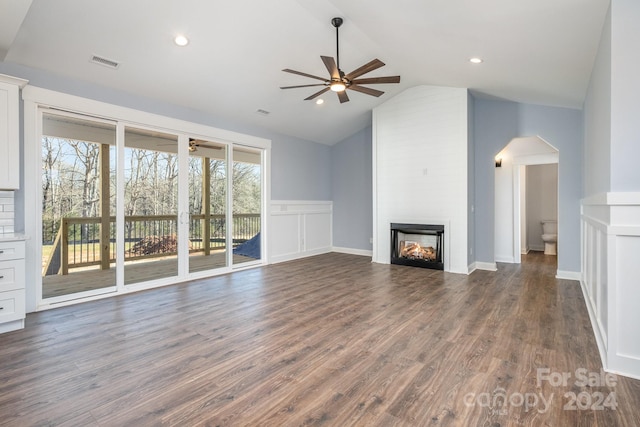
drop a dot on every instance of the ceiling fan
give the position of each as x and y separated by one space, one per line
194 144
339 82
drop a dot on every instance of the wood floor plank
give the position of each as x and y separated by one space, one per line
329 340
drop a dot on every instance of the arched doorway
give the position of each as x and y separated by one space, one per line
511 162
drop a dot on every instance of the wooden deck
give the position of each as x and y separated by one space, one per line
332 340
82 280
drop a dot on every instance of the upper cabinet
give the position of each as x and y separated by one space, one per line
10 131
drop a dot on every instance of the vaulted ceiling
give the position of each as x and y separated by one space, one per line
534 51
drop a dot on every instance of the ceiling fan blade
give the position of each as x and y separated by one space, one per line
294 87
300 73
315 95
377 80
330 63
342 96
366 68
367 90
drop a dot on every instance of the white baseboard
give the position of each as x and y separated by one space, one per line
487 266
352 251
471 268
568 275
12 326
537 248
508 259
297 255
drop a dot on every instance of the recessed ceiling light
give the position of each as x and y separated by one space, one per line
320 101
475 60
181 40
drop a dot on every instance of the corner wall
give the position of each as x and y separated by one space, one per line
610 221
351 189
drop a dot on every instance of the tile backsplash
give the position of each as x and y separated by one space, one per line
7 218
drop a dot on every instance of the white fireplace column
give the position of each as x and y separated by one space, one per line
420 168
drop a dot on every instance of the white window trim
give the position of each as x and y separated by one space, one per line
36 98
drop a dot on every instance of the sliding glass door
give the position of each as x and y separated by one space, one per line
207 205
128 207
247 197
78 205
150 205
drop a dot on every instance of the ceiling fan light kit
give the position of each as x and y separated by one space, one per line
339 82
338 86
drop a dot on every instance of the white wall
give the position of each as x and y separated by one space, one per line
420 168
504 211
541 200
524 241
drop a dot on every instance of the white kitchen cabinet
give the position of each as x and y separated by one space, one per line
12 283
10 131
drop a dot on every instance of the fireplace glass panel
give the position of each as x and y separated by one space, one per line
418 245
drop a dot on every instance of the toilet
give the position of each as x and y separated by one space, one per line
550 236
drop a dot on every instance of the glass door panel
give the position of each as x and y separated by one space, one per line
247 205
207 205
150 205
78 206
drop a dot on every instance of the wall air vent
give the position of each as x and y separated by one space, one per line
104 61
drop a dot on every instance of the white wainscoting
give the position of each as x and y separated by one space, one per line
610 227
299 228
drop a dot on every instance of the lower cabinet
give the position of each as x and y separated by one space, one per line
12 286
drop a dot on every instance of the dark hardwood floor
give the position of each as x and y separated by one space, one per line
330 340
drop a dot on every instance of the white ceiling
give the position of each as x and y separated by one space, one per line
534 51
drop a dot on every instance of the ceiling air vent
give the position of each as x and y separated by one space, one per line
104 61
263 112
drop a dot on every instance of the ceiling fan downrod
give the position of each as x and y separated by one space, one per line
337 22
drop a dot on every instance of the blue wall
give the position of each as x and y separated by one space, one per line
351 186
300 170
496 123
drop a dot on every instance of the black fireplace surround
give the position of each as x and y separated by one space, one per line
417 245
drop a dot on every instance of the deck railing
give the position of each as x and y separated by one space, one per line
78 240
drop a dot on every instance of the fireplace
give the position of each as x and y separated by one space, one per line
417 245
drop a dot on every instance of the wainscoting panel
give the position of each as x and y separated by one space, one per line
628 272
299 229
610 270
593 284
